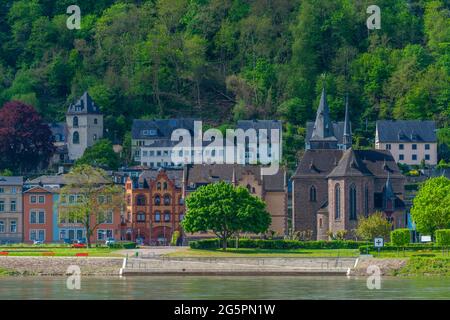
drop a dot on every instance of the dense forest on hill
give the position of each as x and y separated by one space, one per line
223 60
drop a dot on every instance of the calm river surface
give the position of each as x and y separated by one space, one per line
193 287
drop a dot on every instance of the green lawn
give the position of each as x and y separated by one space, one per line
294 253
60 252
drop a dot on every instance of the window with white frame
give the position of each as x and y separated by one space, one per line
13 226
33 199
2 226
2 205
41 199
37 217
103 235
37 235
109 217
13 205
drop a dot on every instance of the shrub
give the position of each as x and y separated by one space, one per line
400 237
278 244
123 245
443 237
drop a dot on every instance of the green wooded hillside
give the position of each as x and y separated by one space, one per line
224 60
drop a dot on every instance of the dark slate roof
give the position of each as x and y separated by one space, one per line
11 181
259 124
85 105
175 175
338 129
406 131
339 163
163 128
59 128
318 163
205 174
350 165
379 163
323 127
53 180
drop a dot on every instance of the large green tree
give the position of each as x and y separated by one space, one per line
226 211
101 155
431 206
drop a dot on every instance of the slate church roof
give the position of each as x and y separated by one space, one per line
350 163
406 131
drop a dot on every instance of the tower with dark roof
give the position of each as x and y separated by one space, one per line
84 126
323 136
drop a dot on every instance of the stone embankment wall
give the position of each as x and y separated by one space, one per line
59 265
387 266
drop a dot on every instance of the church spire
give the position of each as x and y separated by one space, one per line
347 128
323 128
323 134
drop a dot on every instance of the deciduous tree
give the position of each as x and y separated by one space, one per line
225 210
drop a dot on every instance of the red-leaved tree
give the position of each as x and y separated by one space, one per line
26 141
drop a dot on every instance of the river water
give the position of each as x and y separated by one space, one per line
214 287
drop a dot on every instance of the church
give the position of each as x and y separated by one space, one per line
334 185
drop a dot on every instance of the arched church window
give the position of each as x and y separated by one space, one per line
313 194
352 202
76 138
366 201
337 202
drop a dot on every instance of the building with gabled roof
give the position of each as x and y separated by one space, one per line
410 141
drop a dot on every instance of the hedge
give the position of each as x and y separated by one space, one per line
123 245
443 237
277 244
390 247
401 237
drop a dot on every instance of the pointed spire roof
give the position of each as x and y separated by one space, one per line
347 127
84 105
323 127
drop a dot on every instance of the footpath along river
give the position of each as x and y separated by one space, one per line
223 288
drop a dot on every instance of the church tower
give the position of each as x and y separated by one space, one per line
84 126
323 135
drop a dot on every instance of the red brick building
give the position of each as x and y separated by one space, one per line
155 206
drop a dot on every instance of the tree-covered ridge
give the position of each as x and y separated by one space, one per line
230 59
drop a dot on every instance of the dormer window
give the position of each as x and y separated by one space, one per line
150 132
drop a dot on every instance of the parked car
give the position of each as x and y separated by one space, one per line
38 242
110 241
79 245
